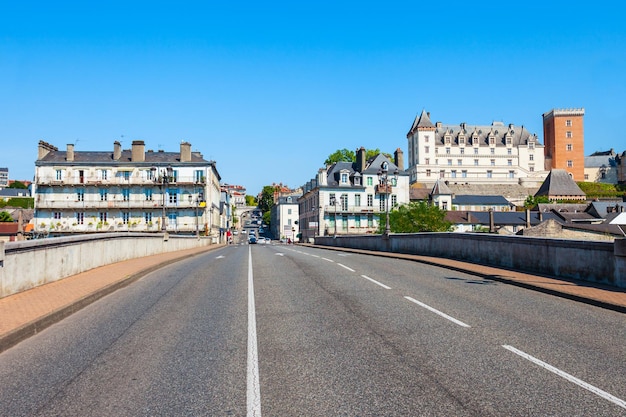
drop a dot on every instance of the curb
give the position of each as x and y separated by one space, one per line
415 258
22 333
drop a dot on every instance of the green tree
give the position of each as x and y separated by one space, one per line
251 201
345 155
18 184
5 217
267 198
532 201
416 217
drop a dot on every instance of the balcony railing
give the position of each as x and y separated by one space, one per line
116 180
383 189
113 204
350 210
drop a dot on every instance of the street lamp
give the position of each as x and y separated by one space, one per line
333 202
163 178
385 184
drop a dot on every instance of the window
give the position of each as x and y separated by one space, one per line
459 162
370 200
493 151
344 178
489 174
174 178
442 174
126 194
531 168
59 175
357 200
464 174
288 211
80 195
80 218
511 174
344 202
462 141
448 151
147 217
462 151
444 205
103 216
149 174
509 162
370 181
370 220
508 140
426 149
447 140
125 217
475 151
428 172
568 122
148 194
344 222
104 174
382 202
198 175
104 194
436 150
568 134
126 175
570 163
427 161
569 146
173 195
531 145
449 161
394 200
492 162
475 162
288 222
453 173
357 221
586 177
509 151
57 215
531 157
426 138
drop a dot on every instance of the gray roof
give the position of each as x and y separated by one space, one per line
559 183
106 158
501 218
372 167
441 188
600 160
484 200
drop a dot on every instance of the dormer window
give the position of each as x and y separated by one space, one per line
344 178
492 140
508 141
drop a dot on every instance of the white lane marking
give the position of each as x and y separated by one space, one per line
220 257
254 390
329 260
376 282
569 377
315 256
444 315
343 266
280 254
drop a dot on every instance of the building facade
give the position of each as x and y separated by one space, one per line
4 177
285 217
473 154
349 197
126 190
601 167
564 137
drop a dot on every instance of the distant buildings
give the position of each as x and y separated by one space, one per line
473 154
126 190
601 167
564 138
4 177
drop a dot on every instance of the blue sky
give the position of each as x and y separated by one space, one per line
269 89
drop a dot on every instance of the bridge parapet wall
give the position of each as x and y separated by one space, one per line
602 262
28 264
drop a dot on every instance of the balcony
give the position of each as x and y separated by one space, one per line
384 189
350 210
114 180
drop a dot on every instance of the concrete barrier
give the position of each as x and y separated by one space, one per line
602 262
27 264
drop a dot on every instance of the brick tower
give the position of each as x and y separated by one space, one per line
564 140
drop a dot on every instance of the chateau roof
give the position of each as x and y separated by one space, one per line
560 184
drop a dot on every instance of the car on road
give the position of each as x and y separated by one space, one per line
252 240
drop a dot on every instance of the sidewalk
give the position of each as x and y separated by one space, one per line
27 313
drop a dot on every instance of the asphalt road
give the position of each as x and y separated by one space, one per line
311 332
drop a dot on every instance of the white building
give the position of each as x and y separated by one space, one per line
349 198
601 167
4 177
126 190
473 154
285 217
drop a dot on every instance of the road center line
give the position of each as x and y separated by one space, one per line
568 377
444 315
343 266
329 260
376 282
254 390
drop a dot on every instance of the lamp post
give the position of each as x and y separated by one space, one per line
162 177
333 202
385 184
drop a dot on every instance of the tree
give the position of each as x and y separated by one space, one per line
267 198
416 217
340 155
532 202
5 217
251 201
18 184
344 155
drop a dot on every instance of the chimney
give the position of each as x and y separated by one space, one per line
138 153
70 152
360 159
44 149
398 159
185 152
527 218
117 151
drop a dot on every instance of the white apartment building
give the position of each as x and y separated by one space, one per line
126 190
349 198
474 154
285 217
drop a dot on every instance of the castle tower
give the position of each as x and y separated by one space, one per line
564 140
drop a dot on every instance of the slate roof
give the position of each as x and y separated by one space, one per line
421 121
559 183
441 188
484 200
106 158
601 159
500 218
372 166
